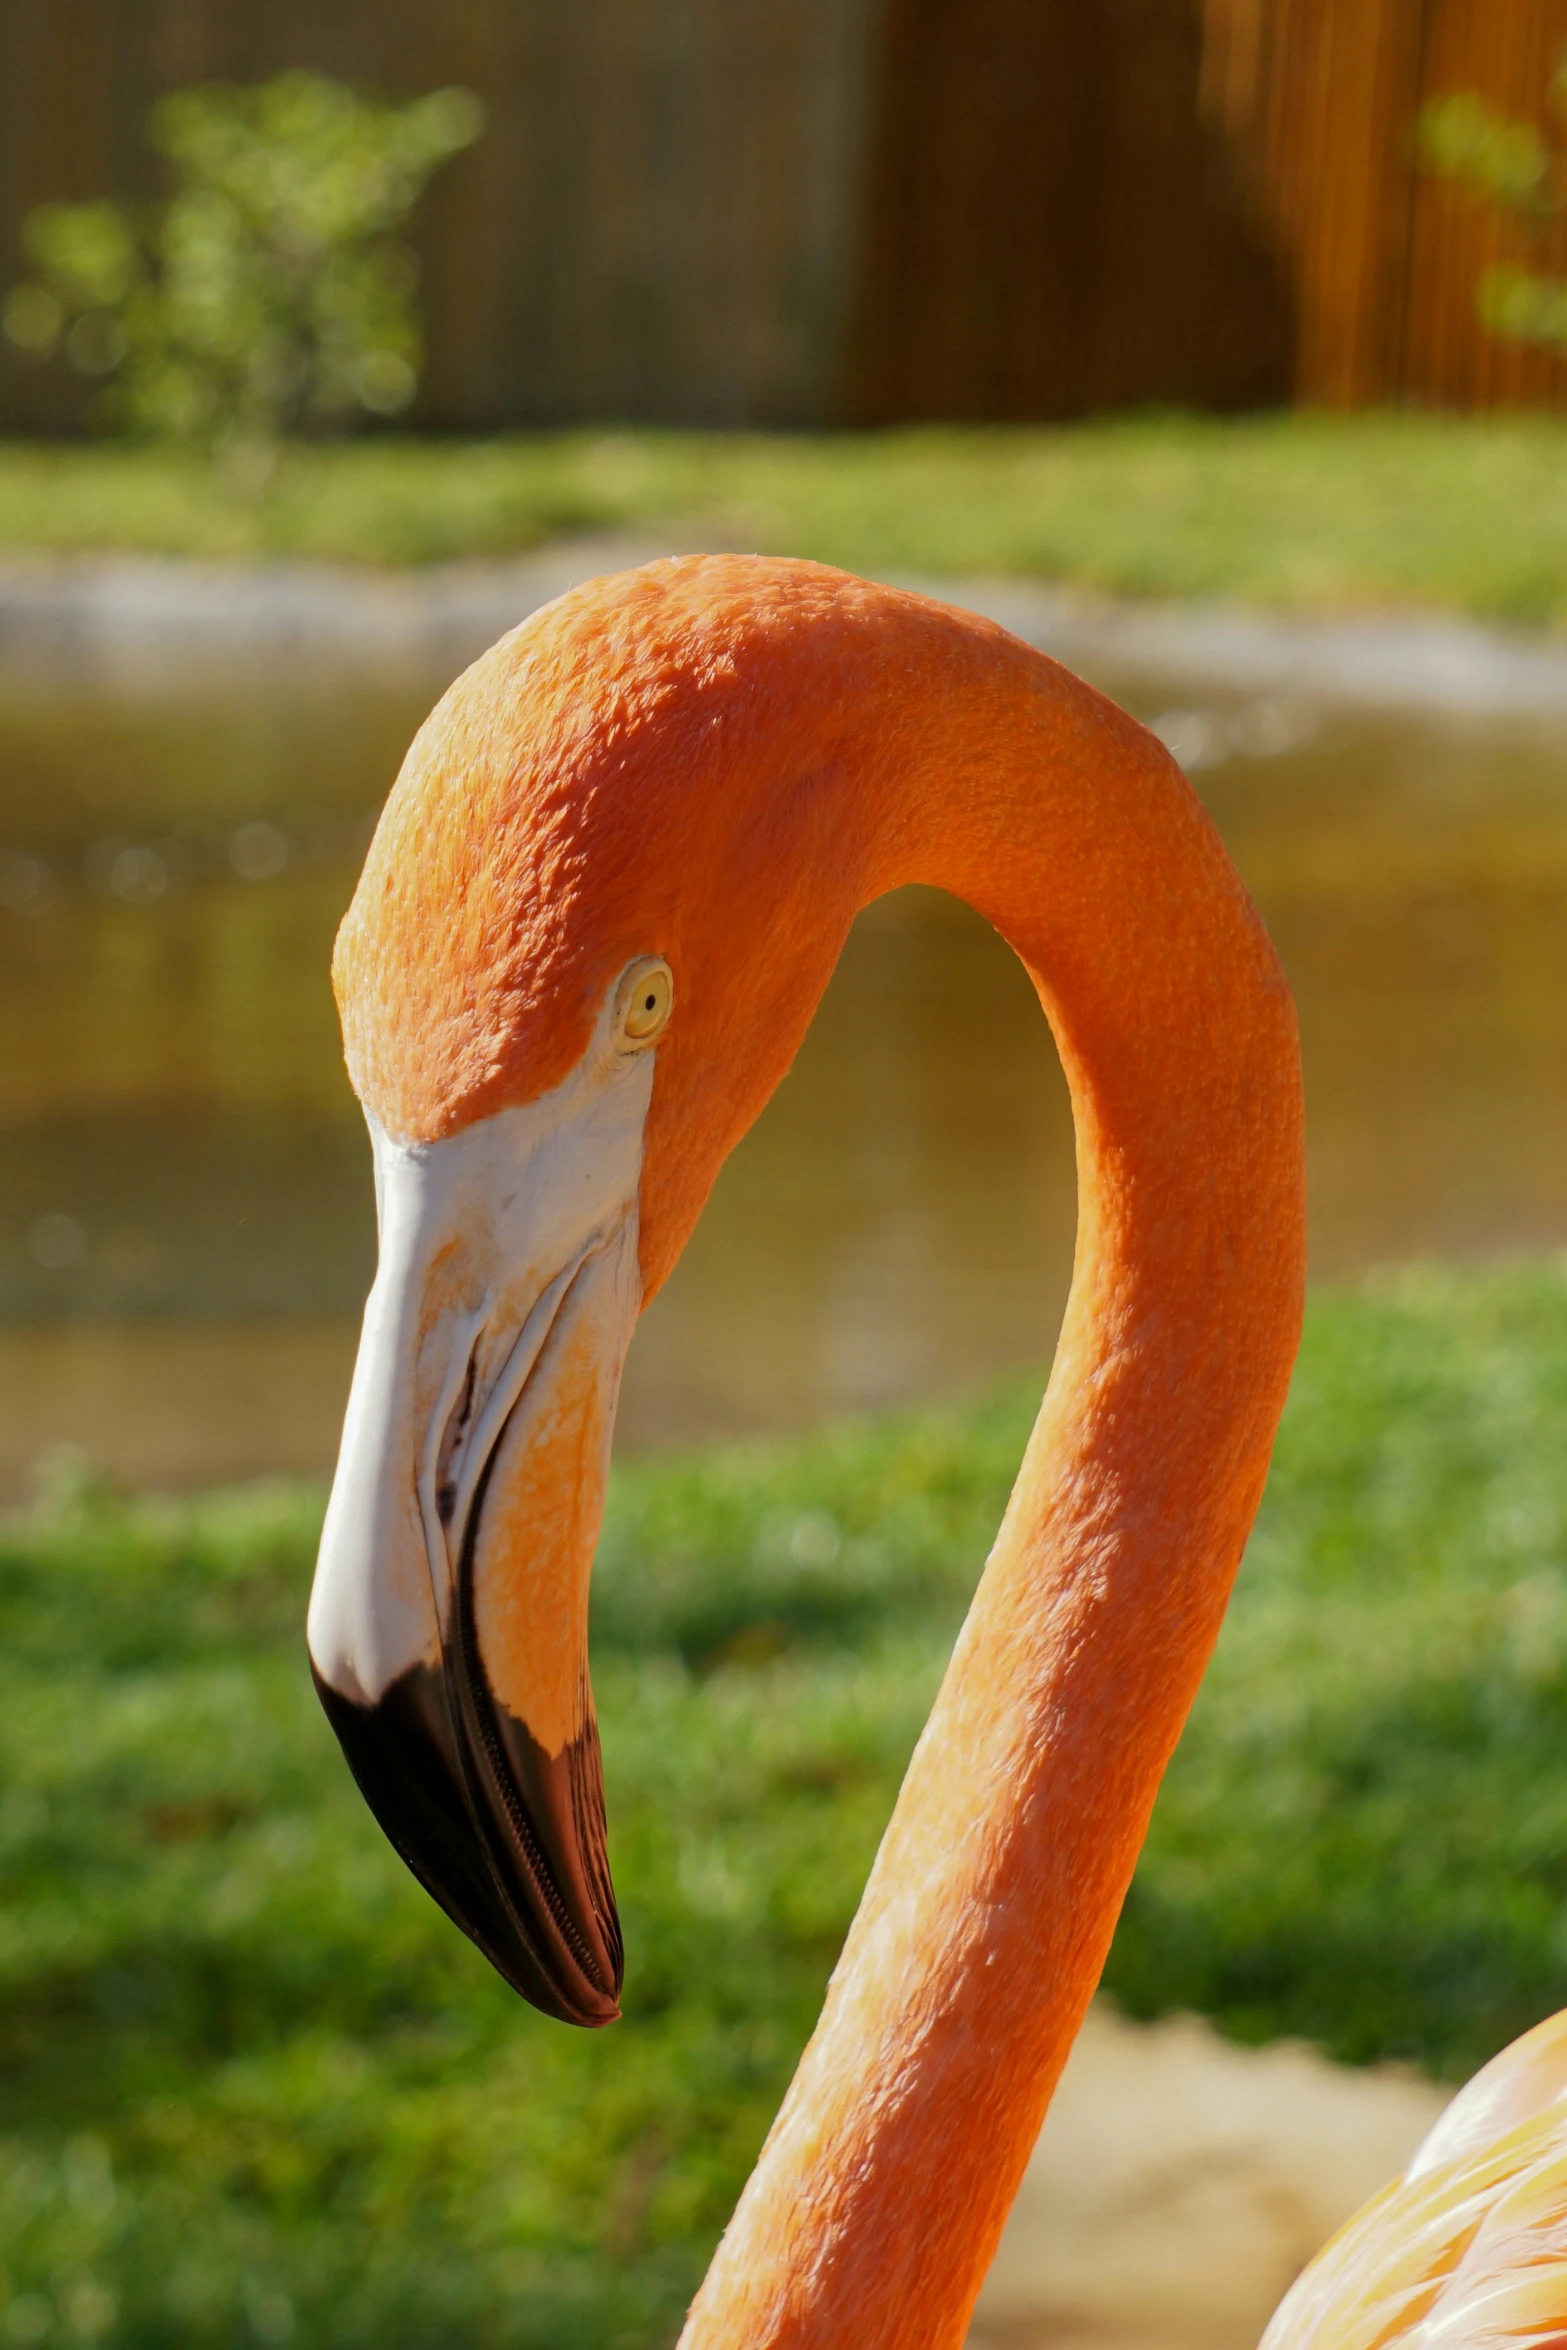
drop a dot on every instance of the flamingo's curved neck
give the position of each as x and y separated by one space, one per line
715 761
880 2195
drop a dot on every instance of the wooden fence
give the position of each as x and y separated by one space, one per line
1318 101
1051 223
654 224
1084 203
794 212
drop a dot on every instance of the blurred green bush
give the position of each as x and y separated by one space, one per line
1518 168
273 293
253 2087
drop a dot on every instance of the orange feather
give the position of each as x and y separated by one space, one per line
719 761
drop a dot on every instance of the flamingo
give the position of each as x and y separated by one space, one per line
600 908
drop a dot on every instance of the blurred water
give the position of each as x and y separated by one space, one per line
185 1213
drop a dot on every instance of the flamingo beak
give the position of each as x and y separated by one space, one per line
448 1622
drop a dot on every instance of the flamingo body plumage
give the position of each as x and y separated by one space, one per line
601 906
1467 2250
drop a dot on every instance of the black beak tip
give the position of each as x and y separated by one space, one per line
507 1841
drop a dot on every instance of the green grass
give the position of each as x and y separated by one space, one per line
1297 511
254 2089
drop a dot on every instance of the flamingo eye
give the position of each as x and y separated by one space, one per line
646 999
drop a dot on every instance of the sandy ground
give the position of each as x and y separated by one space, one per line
1181 2183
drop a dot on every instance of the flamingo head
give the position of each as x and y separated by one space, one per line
598 913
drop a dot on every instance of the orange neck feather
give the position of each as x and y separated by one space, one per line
720 761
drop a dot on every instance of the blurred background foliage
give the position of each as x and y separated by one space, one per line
256 2088
274 292
1516 168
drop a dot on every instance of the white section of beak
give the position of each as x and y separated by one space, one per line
484 1237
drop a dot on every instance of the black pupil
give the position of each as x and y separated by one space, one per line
650 1002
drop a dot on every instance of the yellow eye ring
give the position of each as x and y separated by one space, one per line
644 1001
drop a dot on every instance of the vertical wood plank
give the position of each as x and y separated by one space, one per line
1447 358
1320 99
1053 225
1322 109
